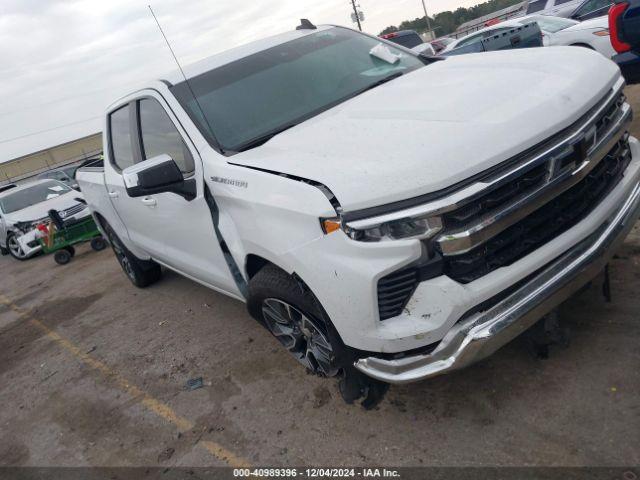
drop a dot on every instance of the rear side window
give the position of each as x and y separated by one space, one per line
536 6
160 136
120 131
470 39
592 5
409 40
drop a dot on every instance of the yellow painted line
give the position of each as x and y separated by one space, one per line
160 409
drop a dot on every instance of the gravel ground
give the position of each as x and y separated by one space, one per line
92 373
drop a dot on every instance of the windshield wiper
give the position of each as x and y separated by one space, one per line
262 139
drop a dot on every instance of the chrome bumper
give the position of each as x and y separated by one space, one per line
484 333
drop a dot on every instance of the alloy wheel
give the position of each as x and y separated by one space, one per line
300 335
14 247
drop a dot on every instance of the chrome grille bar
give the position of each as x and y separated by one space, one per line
560 180
472 192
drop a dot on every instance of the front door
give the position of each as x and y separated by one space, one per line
141 219
175 231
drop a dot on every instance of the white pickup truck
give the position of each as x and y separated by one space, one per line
385 215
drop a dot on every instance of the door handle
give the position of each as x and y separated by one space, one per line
114 194
149 202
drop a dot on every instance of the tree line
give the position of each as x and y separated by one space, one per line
447 22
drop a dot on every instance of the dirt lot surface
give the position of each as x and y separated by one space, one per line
92 372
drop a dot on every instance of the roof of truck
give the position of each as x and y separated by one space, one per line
228 56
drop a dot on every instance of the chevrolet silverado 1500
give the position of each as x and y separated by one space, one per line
385 215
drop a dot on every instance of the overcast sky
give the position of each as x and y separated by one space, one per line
64 61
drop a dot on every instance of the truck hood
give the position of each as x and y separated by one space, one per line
41 210
438 125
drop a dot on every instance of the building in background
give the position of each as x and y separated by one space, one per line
51 158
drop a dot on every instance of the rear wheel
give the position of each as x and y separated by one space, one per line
15 250
141 273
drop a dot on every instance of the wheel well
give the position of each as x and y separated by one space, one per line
254 264
101 220
584 45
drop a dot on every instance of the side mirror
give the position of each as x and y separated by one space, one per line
157 175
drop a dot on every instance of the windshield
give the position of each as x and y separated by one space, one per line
33 195
277 88
550 24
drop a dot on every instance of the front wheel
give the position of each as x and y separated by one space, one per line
293 317
15 250
141 273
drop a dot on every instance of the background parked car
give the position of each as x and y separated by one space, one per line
592 34
65 175
556 31
410 39
591 9
441 43
624 26
556 8
23 207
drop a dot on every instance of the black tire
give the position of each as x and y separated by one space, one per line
272 289
14 248
98 244
273 283
71 250
141 273
62 257
4 252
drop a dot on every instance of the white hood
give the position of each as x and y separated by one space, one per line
440 124
41 210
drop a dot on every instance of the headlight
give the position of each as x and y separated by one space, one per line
401 229
25 227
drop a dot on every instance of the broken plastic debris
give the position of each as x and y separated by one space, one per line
194 384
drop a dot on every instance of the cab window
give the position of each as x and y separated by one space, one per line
120 134
160 136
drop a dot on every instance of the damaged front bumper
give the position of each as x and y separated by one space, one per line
481 334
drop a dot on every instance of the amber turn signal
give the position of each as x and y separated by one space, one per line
330 225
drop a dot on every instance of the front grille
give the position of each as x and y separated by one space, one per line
394 291
72 210
532 198
531 179
544 224
497 198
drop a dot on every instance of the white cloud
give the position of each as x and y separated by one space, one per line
64 61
